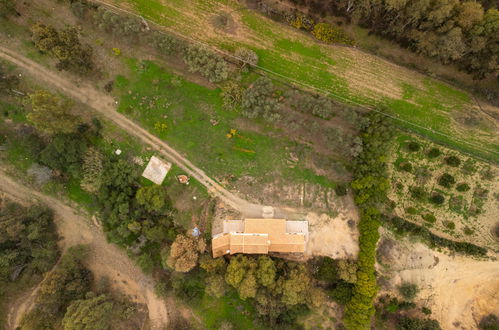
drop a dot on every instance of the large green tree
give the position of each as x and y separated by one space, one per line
64 45
93 312
51 113
153 198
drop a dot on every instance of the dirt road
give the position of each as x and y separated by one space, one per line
106 106
105 259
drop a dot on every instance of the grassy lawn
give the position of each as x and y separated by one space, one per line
343 73
190 118
229 308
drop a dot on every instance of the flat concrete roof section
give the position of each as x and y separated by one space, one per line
156 170
260 236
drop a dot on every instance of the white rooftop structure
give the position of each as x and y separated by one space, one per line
156 170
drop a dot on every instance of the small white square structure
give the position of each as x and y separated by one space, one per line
156 170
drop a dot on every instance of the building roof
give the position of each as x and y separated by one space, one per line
260 236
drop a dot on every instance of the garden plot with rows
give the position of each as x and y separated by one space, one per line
454 195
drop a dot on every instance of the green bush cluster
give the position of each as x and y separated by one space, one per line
449 225
28 242
413 146
429 218
341 190
316 105
401 226
434 153
452 161
207 63
274 286
418 193
446 180
408 290
370 186
166 44
437 198
127 27
406 167
65 46
330 34
462 187
258 100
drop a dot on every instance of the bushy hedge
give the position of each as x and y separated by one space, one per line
330 34
370 187
207 63
402 226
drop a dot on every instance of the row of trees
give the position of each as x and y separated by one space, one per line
405 227
459 31
370 186
277 288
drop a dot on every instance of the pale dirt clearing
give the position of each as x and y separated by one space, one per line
104 259
336 237
459 290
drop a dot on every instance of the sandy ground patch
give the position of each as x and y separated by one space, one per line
336 237
459 290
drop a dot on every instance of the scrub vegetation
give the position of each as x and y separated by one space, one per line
246 130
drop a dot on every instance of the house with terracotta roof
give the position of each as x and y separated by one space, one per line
260 236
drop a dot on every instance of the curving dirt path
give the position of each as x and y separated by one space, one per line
106 106
105 259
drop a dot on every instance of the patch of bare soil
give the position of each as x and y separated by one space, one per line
458 290
105 259
336 237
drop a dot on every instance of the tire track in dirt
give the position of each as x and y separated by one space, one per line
105 259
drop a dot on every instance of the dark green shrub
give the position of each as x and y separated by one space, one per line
437 199
207 63
326 270
165 44
411 210
401 226
429 218
330 34
257 99
434 153
449 225
446 180
406 305
342 293
407 167
127 27
426 310
409 323
408 290
468 231
413 146
452 161
418 193
462 187
340 190
489 322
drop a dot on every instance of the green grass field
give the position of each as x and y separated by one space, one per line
191 119
343 73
